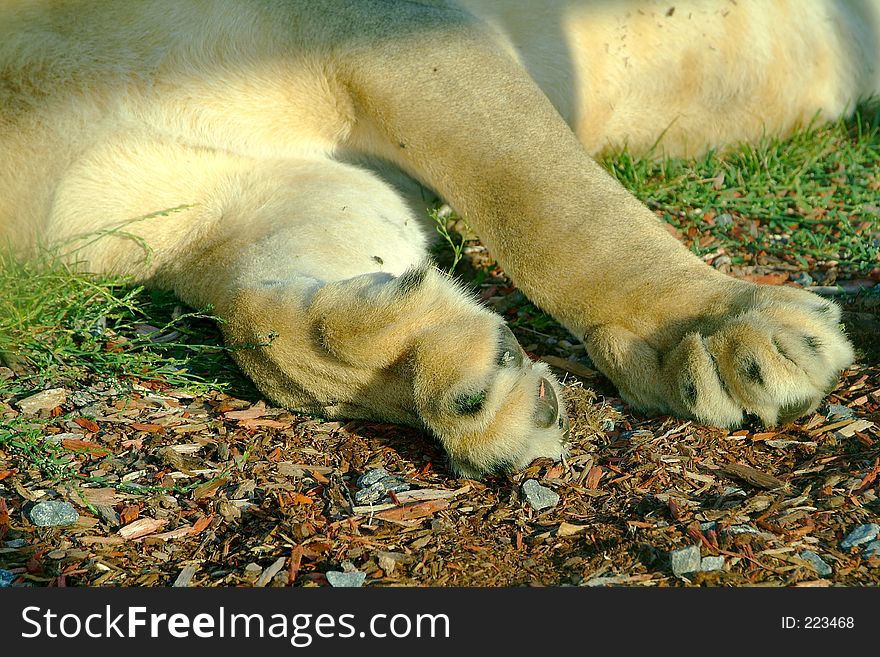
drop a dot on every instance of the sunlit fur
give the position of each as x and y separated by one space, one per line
271 158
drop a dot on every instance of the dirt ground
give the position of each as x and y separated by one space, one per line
217 490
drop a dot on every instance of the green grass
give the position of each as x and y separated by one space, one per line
810 198
59 326
63 328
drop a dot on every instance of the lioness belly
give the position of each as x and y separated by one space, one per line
689 75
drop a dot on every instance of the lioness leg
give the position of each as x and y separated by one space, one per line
439 97
319 272
409 347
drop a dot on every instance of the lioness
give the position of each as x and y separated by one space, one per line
286 135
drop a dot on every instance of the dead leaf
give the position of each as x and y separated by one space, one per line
129 514
150 428
77 445
208 489
87 424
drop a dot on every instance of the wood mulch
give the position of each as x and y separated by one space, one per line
179 490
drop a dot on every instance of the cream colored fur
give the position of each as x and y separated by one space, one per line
287 136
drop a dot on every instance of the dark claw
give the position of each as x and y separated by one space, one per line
793 411
547 408
509 352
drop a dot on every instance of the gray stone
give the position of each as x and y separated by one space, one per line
818 563
53 514
375 485
686 560
872 550
708 564
740 529
859 535
42 401
839 412
706 526
15 543
539 497
6 578
723 220
370 477
802 278
81 398
342 579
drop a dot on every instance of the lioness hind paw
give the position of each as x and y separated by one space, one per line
503 419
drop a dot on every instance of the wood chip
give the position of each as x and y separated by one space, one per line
140 528
296 555
593 477
270 572
180 532
751 476
185 577
570 366
99 496
424 494
568 529
413 511
849 430
208 489
183 462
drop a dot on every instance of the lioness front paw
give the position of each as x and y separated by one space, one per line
775 355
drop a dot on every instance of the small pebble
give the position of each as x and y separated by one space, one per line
346 579
81 398
15 543
53 514
802 278
740 529
539 497
872 550
723 220
370 477
375 485
818 563
859 535
686 560
706 526
6 578
709 564
839 412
